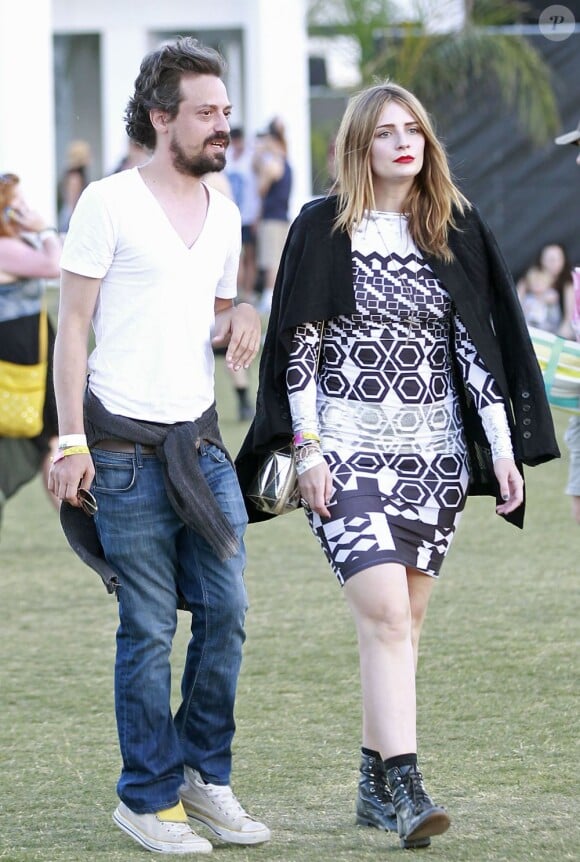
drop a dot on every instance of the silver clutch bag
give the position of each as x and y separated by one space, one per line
274 489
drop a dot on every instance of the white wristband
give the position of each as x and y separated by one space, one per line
46 232
72 440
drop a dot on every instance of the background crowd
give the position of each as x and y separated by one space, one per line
258 178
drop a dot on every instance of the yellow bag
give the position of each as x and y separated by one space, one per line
559 360
23 389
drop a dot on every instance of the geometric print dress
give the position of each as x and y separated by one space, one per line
384 403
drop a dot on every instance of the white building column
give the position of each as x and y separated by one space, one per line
123 47
277 81
26 101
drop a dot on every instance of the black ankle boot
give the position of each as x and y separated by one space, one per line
374 804
417 815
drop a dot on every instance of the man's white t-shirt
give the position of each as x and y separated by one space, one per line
153 320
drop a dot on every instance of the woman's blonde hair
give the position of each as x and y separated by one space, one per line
430 202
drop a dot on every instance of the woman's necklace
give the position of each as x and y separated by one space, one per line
409 290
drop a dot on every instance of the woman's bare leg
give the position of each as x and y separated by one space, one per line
380 604
420 589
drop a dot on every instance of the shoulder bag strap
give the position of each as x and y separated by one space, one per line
43 334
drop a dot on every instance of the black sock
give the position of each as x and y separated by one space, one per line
401 760
370 753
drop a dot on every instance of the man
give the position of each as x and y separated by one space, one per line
572 436
151 260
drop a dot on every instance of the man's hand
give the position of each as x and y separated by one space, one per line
68 474
240 328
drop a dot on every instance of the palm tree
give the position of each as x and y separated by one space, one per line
444 66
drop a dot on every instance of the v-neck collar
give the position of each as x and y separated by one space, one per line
166 218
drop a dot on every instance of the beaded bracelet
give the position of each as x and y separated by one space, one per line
307 456
301 453
312 459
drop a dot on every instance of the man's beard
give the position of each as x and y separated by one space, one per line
203 163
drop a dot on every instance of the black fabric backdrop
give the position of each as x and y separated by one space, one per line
529 196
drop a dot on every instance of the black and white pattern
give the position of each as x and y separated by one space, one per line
386 408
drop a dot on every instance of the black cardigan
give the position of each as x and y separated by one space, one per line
314 283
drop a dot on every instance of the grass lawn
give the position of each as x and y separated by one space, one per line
497 689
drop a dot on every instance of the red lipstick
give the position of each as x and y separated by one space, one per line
404 160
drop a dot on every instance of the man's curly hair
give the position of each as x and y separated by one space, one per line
158 83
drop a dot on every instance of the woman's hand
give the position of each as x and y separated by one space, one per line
27 220
511 485
316 489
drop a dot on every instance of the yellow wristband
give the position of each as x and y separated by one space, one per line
71 450
304 437
75 450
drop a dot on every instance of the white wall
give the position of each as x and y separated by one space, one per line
26 101
277 72
274 62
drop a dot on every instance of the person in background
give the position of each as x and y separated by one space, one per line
572 435
274 185
219 182
239 378
135 156
29 254
151 260
427 390
73 181
331 161
545 291
243 180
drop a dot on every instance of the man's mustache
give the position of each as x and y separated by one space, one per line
220 137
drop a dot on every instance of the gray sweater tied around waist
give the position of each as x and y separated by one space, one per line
177 447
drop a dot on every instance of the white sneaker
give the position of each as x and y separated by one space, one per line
218 808
165 832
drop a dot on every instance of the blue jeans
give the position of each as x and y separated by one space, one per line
156 558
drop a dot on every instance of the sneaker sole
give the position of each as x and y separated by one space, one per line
227 834
157 846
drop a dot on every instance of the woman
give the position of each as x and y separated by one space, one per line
427 390
29 254
274 181
240 379
73 181
546 293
